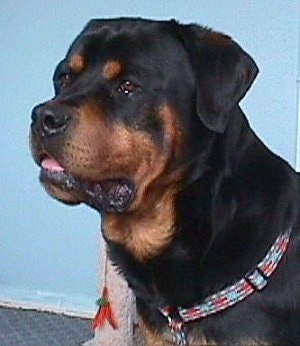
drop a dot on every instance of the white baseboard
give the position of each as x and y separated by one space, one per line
89 343
75 305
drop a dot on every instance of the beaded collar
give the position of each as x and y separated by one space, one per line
253 281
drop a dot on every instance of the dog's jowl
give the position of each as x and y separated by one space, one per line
198 215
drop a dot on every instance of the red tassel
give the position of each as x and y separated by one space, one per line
104 312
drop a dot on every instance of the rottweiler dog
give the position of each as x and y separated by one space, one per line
199 216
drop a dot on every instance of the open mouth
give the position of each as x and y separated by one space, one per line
110 195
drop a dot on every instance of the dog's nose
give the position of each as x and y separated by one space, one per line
50 120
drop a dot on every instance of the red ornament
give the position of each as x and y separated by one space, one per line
104 312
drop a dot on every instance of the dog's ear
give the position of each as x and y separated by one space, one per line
224 73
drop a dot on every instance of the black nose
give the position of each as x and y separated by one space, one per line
50 120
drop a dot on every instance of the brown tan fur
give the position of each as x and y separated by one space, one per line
144 233
111 70
148 229
152 338
83 151
77 63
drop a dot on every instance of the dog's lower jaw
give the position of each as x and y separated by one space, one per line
109 195
61 195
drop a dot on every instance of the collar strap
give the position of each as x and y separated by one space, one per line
253 281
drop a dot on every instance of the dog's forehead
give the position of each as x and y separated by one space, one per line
112 27
124 40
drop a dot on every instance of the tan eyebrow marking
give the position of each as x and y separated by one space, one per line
76 63
112 69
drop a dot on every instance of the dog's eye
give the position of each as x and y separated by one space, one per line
127 88
65 80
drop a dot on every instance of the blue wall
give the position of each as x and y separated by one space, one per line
48 252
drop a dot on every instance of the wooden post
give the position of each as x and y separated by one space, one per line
122 303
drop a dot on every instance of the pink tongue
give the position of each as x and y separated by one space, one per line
51 165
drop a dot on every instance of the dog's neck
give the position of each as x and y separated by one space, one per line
145 232
235 232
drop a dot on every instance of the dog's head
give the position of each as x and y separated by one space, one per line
135 102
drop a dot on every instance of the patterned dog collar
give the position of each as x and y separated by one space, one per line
253 281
